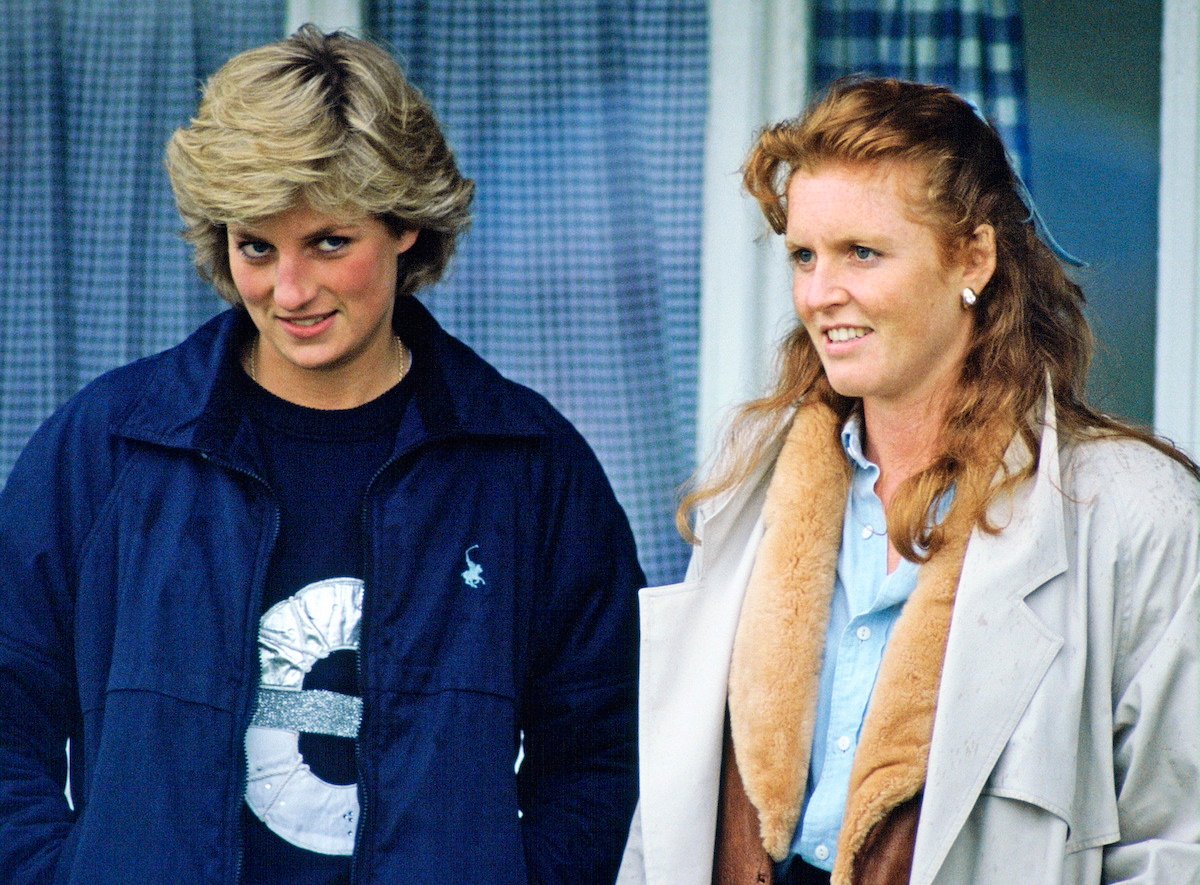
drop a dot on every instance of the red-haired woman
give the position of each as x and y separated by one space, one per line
941 624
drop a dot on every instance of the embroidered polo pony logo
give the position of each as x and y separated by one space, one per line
473 576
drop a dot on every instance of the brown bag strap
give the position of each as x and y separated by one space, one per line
886 856
740 858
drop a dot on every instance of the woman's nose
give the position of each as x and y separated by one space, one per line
294 283
818 289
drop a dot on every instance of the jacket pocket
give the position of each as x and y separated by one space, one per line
1051 772
983 852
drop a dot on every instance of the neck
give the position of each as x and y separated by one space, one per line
343 386
903 441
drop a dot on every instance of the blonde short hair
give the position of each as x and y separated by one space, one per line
325 118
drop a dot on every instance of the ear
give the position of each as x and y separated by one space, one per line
979 257
406 240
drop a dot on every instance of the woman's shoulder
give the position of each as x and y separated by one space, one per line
102 405
1137 520
1139 485
105 401
1126 464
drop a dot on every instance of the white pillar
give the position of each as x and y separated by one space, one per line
758 74
1177 345
328 15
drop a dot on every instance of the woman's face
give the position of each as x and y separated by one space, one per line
883 311
321 290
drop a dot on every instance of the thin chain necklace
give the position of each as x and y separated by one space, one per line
869 531
402 352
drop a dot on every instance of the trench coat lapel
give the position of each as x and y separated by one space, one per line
997 653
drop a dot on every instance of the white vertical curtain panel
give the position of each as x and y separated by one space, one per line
1177 346
758 75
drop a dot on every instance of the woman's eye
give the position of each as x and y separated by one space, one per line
802 256
254 249
332 244
863 253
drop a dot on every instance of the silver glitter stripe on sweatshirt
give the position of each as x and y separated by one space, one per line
312 712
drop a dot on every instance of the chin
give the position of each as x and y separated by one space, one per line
848 387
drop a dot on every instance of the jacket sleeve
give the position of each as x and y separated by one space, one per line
38 700
45 510
1157 689
633 863
578 778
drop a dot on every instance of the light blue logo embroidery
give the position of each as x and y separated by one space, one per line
473 576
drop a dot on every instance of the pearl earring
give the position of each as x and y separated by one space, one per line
969 297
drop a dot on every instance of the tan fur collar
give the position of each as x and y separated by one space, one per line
777 650
779 647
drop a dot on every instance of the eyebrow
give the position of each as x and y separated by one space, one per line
318 234
841 245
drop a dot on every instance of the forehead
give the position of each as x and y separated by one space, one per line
867 196
303 216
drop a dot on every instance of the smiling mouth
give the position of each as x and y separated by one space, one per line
846 333
307 322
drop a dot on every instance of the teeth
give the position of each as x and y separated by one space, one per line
312 321
846 333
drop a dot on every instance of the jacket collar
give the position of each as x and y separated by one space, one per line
189 403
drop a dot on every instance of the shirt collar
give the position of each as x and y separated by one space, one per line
852 441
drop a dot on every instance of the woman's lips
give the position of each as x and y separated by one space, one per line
307 326
844 340
846 333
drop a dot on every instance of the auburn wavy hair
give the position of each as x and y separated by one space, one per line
1029 321
325 118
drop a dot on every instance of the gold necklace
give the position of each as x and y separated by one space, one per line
403 354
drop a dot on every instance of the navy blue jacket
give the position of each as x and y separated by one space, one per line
135 533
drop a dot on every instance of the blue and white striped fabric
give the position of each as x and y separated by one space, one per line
582 122
95 273
973 46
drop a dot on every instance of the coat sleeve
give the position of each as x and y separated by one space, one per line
1156 736
633 864
578 778
42 512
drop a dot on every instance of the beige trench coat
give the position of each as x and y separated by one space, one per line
1066 744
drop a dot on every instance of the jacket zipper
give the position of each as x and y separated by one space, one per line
245 713
360 659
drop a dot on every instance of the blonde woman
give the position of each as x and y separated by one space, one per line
941 623
300 590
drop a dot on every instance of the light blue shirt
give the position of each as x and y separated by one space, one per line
866 603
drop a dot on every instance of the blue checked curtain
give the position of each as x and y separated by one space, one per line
973 46
582 122
95 273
